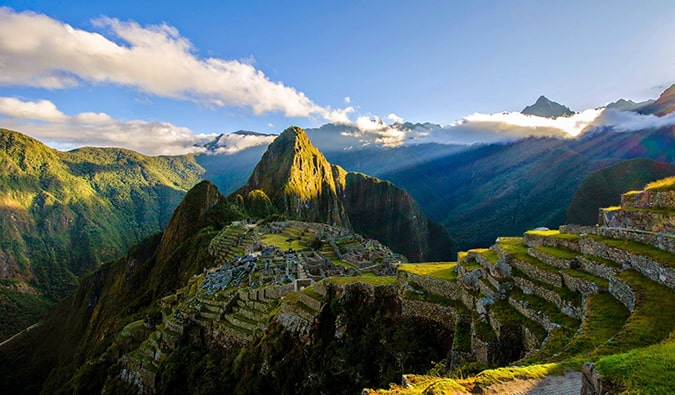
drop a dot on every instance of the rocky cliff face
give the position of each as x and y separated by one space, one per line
301 184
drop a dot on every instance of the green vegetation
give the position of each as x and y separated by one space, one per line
605 316
646 370
652 320
666 184
553 233
68 212
443 270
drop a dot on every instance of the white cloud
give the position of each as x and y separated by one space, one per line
42 110
572 125
348 99
233 142
43 120
38 51
624 121
394 118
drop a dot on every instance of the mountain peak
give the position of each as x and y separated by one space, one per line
544 107
298 179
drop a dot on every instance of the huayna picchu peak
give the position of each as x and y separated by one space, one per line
301 184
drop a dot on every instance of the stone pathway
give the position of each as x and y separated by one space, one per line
570 384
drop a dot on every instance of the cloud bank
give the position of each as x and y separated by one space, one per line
43 120
38 51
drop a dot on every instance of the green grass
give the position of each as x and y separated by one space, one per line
311 292
652 320
647 370
553 233
442 270
489 254
666 184
283 241
430 385
605 316
560 253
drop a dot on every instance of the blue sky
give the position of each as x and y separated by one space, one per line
265 65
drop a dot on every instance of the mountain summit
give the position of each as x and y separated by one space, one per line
299 181
294 179
544 107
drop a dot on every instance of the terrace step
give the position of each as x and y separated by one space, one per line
640 219
649 199
541 311
660 240
552 238
651 262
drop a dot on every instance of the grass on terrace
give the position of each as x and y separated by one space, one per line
605 316
442 270
652 320
283 241
666 184
553 233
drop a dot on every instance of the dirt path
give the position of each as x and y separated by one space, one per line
569 384
20 333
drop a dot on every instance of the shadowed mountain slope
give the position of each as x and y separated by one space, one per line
505 189
603 188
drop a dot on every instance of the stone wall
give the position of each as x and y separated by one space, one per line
595 268
623 293
663 241
577 284
448 289
535 240
649 199
650 221
551 260
646 266
536 273
309 301
532 314
442 314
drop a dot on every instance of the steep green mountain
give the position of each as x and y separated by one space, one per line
64 213
603 188
504 189
544 107
301 184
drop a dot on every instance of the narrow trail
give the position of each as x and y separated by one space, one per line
569 384
20 333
